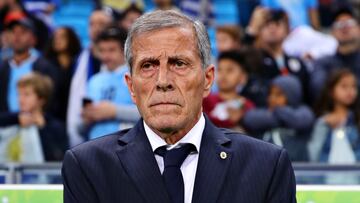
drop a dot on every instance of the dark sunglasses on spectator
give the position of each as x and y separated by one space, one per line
344 24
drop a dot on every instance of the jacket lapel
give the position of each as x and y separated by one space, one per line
136 156
214 160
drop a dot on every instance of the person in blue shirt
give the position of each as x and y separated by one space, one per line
108 106
24 61
301 12
87 65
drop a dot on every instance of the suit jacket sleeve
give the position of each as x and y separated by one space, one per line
282 187
77 187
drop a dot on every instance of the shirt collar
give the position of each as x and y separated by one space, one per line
32 58
193 136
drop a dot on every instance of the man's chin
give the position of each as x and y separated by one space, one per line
165 123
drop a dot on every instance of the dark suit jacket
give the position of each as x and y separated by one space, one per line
122 168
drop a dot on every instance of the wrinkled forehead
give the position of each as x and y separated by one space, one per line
168 39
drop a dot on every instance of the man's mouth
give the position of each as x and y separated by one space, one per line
164 104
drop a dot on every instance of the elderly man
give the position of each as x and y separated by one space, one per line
174 153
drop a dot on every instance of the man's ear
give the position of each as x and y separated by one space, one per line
209 79
130 86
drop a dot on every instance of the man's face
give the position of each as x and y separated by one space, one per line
98 22
274 32
345 29
111 53
22 39
168 82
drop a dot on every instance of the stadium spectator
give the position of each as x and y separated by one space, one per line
63 50
271 34
335 138
25 60
301 12
346 30
128 16
226 108
111 107
14 10
30 135
88 65
228 37
286 121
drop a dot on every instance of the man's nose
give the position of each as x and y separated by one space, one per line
164 82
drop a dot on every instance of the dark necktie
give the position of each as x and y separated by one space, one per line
172 176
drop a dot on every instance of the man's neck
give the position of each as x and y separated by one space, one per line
348 49
274 50
21 57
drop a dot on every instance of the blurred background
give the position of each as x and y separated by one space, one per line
287 72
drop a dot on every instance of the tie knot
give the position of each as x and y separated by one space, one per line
175 157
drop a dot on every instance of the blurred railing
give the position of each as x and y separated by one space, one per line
21 173
306 173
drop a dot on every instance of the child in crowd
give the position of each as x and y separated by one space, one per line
226 108
286 121
108 106
31 135
335 138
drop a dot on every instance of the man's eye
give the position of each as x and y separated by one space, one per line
147 66
179 64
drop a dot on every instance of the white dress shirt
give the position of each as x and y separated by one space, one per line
189 166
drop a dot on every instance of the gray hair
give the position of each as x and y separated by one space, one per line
166 19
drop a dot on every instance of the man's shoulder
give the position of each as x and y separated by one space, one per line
104 144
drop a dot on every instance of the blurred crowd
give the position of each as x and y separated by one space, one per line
288 73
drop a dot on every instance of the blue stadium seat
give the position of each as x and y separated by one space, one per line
75 14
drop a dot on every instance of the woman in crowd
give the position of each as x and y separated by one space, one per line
335 138
63 51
